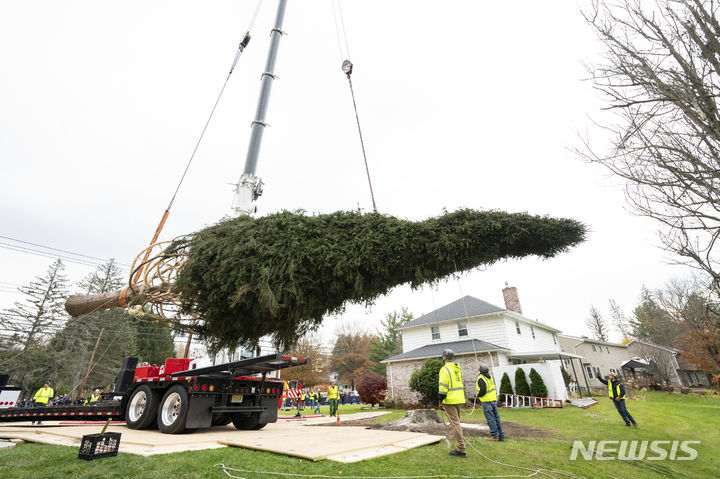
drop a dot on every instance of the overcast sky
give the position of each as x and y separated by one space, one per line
462 104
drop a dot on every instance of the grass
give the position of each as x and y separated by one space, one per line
662 416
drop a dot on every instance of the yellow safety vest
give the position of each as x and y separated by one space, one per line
490 392
302 397
43 395
93 398
617 392
333 392
450 381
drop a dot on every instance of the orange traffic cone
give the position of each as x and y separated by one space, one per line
337 419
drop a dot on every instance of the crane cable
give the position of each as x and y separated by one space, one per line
347 67
241 47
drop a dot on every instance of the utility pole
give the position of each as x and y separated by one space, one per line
249 187
92 357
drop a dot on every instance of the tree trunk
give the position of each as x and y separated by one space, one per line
78 305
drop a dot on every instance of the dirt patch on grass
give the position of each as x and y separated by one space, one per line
511 429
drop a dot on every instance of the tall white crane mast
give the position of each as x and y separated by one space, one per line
249 187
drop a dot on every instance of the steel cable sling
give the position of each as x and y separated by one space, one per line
347 68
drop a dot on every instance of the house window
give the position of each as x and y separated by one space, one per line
532 331
594 350
517 326
462 329
590 372
608 349
435 330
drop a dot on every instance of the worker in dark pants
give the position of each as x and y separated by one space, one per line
616 392
487 395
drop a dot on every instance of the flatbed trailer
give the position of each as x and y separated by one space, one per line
174 398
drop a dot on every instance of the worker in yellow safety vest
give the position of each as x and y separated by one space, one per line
93 397
332 398
451 392
43 396
487 395
616 392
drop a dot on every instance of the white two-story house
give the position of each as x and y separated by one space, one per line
479 333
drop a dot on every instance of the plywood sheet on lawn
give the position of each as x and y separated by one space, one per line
290 437
317 443
372 452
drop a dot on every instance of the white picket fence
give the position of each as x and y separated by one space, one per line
516 400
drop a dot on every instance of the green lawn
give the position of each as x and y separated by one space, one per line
661 417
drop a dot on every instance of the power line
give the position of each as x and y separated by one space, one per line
23 249
63 251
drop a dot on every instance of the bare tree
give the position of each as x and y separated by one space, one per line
661 361
620 321
310 346
596 324
661 75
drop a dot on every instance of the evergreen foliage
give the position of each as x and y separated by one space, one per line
424 381
505 386
281 274
389 342
521 385
371 388
27 327
153 341
537 385
70 350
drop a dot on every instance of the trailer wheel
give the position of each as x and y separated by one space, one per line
173 410
247 423
141 411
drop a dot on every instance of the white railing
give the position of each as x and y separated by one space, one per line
516 400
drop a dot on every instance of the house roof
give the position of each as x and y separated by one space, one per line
455 310
653 345
467 307
634 363
467 346
593 341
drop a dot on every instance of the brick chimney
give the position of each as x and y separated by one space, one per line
512 300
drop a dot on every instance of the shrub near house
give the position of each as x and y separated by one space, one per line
521 385
505 386
537 385
425 381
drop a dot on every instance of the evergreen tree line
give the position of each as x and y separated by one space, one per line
39 342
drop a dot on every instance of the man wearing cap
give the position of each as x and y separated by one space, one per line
487 395
616 392
451 392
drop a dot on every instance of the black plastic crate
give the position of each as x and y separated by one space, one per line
95 446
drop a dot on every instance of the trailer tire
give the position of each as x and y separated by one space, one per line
141 411
248 423
173 410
